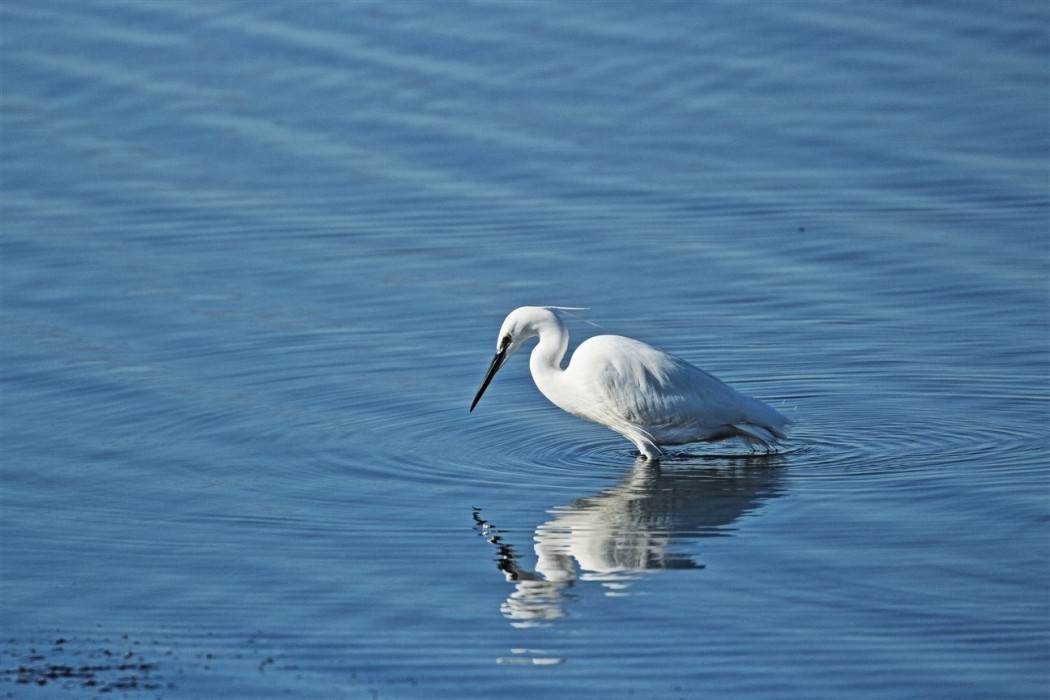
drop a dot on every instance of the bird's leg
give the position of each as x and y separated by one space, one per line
645 468
647 450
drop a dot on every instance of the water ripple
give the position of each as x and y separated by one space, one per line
830 440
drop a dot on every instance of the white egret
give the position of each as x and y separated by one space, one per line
650 397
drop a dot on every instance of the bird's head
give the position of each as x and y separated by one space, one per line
520 325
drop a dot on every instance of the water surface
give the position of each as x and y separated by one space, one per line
255 258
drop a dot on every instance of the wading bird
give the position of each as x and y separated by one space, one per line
650 397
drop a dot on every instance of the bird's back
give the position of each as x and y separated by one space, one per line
630 385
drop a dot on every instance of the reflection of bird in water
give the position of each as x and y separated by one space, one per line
647 395
613 536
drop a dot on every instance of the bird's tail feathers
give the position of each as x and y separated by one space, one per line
757 433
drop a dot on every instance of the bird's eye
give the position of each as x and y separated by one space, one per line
505 343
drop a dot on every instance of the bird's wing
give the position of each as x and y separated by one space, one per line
635 383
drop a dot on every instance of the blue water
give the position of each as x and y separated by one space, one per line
255 257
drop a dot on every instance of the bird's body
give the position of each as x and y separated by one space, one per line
649 396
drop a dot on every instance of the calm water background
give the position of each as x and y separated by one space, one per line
255 257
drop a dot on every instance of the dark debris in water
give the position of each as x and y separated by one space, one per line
108 667
62 663
78 667
97 668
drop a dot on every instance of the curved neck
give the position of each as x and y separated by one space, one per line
545 360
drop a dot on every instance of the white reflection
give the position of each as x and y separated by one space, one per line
613 536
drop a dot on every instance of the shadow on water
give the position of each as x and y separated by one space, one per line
639 525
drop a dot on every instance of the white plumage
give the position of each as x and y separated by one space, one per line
650 397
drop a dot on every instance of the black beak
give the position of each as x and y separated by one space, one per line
497 362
